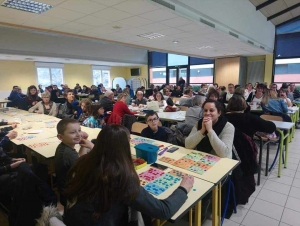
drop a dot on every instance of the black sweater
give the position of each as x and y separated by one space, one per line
250 124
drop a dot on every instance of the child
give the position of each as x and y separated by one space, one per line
171 107
154 131
96 118
70 134
85 105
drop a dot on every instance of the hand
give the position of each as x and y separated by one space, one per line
12 134
208 124
187 182
203 129
141 106
86 144
16 164
84 135
11 123
75 112
18 159
14 125
108 112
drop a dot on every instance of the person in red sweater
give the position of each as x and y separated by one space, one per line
120 107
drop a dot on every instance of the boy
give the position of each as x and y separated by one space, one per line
70 134
154 131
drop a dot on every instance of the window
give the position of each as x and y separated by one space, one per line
287 70
158 75
49 74
101 75
202 74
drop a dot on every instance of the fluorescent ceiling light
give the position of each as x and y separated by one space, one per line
288 61
205 47
175 42
151 35
202 66
27 6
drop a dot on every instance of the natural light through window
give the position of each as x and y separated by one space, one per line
101 75
49 74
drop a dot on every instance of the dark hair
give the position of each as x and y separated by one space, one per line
236 86
218 105
62 124
150 113
108 172
32 97
213 92
162 96
216 84
94 110
68 91
261 85
170 102
236 103
223 88
187 91
230 84
15 87
128 86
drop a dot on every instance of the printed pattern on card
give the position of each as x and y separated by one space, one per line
195 156
143 182
140 140
196 169
177 173
26 138
166 181
38 145
184 163
212 158
154 189
151 174
167 160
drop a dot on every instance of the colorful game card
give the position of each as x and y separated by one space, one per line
184 163
212 158
202 166
151 174
196 169
26 138
154 189
177 173
166 181
143 182
140 140
167 160
38 145
195 156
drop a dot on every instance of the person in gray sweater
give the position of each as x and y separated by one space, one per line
45 106
195 113
213 134
186 99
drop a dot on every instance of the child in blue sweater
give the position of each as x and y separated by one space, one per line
96 118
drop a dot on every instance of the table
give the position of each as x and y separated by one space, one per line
177 116
281 127
80 96
3 102
256 110
294 114
199 190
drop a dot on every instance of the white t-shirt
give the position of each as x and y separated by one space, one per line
258 100
228 96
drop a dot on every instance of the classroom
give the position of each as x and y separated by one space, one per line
149 112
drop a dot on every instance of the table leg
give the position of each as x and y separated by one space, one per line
286 150
197 214
215 206
191 217
157 222
220 202
280 151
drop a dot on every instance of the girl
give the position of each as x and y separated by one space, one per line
212 134
32 97
283 95
96 118
45 106
170 106
160 99
111 185
258 95
85 105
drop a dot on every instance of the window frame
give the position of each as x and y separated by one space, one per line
102 68
49 66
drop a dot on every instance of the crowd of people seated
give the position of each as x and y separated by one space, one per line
218 123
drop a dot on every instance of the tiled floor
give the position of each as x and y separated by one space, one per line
276 202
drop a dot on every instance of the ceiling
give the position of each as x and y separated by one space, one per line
122 21
278 6
62 60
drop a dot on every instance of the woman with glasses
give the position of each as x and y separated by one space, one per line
45 106
153 131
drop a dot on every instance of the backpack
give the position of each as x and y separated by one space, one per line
171 135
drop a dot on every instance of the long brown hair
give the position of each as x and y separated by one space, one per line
106 174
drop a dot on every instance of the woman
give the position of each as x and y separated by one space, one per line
160 99
274 106
212 134
128 98
32 97
248 90
283 95
45 106
85 105
69 109
112 185
257 97
167 93
121 108
140 101
195 113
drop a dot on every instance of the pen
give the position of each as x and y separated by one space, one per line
163 151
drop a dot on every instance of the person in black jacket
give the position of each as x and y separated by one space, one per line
107 101
111 185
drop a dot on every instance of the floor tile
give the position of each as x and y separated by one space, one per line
250 202
294 155
293 203
286 172
290 217
297 174
257 190
296 183
277 187
206 223
283 179
240 215
283 224
273 197
295 192
229 223
256 219
267 209
293 160
290 165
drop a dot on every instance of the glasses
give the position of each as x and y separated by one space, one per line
153 120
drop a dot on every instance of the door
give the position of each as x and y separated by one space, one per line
174 73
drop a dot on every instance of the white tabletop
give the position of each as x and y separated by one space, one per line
4 101
283 125
199 190
169 116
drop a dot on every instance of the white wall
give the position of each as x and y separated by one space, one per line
239 16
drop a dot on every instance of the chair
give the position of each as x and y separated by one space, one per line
183 108
137 127
175 99
263 141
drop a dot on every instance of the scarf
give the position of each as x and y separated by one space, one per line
204 144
